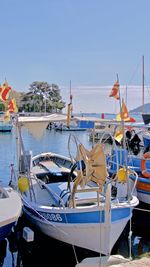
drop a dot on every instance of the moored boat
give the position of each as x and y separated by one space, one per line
137 163
10 210
5 126
79 210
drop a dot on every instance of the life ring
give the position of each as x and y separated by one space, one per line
143 165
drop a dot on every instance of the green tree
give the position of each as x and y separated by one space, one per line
42 97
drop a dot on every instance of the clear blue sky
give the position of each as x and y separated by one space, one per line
85 41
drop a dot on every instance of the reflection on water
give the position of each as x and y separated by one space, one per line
3 249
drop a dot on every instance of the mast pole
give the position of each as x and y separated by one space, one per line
70 94
142 84
126 94
69 110
71 100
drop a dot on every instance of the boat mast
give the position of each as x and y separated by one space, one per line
143 84
69 111
70 94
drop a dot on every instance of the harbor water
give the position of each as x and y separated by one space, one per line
43 251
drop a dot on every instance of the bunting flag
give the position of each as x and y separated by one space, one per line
115 90
7 116
124 114
12 106
4 91
118 135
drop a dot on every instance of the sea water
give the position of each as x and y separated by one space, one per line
43 251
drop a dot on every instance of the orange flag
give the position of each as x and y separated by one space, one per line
124 114
115 90
12 106
4 91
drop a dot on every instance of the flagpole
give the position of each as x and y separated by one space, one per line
69 109
122 120
124 143
70 94
70 100
119 97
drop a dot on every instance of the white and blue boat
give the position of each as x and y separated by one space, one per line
10 210
86 225
80 211
5 126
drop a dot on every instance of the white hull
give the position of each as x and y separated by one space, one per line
10 210
89 236
144 197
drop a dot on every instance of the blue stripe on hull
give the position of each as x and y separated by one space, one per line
85 217
141 179
143 192
5 230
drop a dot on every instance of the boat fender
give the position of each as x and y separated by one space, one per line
122 175
23 184
143 165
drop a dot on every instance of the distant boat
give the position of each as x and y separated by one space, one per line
69 125
146 118
5 126
103 133
69 128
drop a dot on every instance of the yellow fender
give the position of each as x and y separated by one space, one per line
23 184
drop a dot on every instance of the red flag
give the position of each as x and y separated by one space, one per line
124 114
12 106
4 91
115 90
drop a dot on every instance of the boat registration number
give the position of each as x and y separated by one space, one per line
52 216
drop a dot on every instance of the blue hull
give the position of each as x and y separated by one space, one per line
5 128
5 230
146 141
